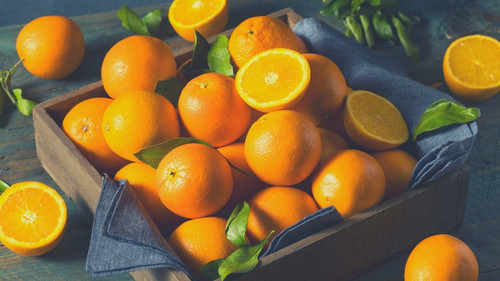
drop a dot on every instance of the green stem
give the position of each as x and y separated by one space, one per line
3 186
5 81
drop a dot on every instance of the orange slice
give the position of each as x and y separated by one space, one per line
33 218
373 121
208 17
471 67
274 79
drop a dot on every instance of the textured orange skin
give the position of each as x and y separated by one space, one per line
52 47
283 147
351 180
257 34
327 90
136 63
441 257
194 180
199 241
276 208
398 167
244 185
12 220
331 142
211 25
141 178
211 110
138 119
83 125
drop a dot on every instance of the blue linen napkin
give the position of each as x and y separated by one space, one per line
125 239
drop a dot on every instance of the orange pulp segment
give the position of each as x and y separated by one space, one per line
274 79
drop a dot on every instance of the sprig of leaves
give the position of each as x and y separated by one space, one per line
243 259
148 25
367 20
24 106
443 113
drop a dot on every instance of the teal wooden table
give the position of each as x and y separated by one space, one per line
440 24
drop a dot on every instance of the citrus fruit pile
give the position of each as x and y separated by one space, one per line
284 134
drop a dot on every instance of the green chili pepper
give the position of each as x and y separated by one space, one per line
410 48
382 27
407 21
365 22
356 29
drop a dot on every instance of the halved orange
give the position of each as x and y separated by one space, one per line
33 218
208 17
471 67
274 79
373 122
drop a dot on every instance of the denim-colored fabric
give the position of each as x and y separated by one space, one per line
124 238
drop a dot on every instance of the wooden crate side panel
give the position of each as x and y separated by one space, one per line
346 250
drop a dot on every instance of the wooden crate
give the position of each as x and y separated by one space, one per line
340 252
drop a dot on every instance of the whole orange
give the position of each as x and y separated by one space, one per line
199 241
325 96
398 168
136 63
51 47
257 34
211 110
138 119
276 208
244 184
331 142
141 178
351 180
283 147
194 180
83 125
441 257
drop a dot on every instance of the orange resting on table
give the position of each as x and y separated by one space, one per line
471 67
441 257
33 218
274 79
194 180
51 47
208 17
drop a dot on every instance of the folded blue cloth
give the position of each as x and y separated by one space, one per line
125 239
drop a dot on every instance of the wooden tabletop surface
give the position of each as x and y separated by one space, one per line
438 27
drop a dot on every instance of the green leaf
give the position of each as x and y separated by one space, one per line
131 21
171 89
356 5
335 8
382 27
243 259
404 38
200 52
152 155
442 113
3 186
383 2
211 270
152 20
237 225
218 57
25 106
